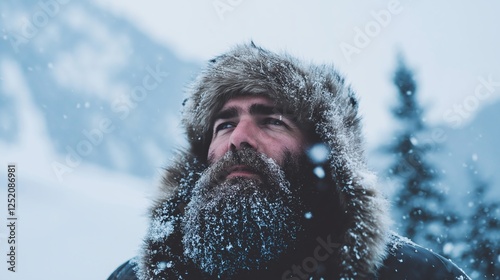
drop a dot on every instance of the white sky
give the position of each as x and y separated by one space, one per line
449 43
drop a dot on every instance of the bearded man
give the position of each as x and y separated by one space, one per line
274 184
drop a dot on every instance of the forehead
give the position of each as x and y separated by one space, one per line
244 102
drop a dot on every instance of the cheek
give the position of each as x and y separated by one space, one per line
211 157
279 149
295 146
215 151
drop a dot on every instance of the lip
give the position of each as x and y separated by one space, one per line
241 171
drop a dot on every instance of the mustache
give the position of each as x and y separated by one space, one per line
249 158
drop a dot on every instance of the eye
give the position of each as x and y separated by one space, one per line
274 121
224 125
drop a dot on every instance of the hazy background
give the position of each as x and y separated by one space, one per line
90 138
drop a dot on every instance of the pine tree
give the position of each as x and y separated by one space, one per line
482 256
419 199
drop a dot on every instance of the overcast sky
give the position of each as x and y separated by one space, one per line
449 44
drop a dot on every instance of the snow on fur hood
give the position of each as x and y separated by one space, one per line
318 97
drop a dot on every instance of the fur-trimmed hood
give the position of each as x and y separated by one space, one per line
318 97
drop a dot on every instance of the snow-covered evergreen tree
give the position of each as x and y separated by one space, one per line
482 256
420 200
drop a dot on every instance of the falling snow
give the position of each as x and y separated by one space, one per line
318 153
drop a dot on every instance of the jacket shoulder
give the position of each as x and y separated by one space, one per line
126 271
407 260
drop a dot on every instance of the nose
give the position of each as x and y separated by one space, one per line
244 135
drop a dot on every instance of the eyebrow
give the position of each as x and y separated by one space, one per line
261 109
227 113
255 109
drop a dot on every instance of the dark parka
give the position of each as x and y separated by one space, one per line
318 98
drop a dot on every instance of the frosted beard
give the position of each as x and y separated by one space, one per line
243 224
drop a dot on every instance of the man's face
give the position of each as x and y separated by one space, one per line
247 209
254 122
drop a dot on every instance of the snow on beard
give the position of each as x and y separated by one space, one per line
243 224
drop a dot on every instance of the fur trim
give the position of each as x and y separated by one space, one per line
318 97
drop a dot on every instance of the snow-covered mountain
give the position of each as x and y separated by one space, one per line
108 94
477 144
89 113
